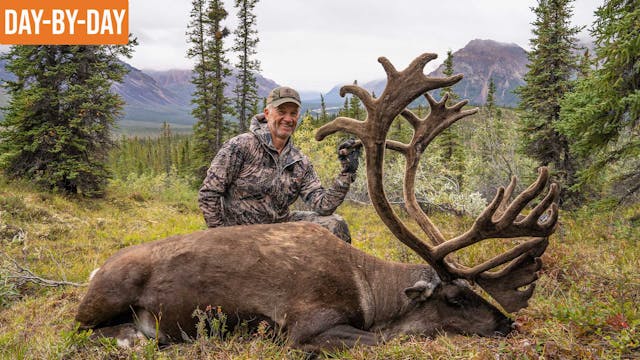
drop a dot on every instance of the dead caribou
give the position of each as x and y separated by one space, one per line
320 291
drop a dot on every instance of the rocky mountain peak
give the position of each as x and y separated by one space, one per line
479 61
482 60
170 77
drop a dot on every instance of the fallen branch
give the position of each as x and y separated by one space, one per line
23 275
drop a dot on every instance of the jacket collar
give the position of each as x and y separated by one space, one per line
260 129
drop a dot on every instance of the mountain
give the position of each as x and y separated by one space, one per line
479 61
482 60
155 96
179 83
147 103
152 97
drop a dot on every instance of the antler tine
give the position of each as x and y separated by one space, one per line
549 202
412 118
405 86
508 192
513 210
419 63
442 116
472 273
397 146
388 66
361 93
487 226
504 286
341 123
416 65
425 130
390 144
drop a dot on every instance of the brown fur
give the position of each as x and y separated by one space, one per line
321 291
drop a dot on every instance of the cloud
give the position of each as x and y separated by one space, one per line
313 45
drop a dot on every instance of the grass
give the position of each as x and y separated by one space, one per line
585 305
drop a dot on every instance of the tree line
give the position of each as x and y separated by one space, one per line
578 112
168 154
58 127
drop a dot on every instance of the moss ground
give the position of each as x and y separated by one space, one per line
585 305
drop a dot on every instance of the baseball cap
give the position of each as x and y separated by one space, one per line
281 95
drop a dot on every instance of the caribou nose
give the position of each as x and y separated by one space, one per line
505 326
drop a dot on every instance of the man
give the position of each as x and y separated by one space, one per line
256 176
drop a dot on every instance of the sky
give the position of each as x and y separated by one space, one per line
313 45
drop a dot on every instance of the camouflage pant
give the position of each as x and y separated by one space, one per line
334 223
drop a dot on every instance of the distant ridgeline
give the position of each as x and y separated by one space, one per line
153 97
479 61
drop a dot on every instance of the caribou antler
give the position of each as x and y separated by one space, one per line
501 218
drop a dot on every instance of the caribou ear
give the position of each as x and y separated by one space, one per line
420 291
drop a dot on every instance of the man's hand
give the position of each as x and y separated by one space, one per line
348 154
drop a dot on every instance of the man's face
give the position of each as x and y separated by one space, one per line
282 120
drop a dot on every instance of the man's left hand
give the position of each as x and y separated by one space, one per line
349 154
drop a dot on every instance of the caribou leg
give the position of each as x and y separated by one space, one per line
126 334
340 337
326 329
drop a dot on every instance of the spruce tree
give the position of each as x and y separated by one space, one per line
165 143
207 36
585 64
345 110
220 69
494 149
450 140
448 71
603 112
494 113
551 67
490 103
255 106
246 40
324 117
57 130
355 108
202 98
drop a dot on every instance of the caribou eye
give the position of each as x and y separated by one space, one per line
455 301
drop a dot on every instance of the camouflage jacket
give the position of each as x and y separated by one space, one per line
250 183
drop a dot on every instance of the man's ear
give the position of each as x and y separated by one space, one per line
420 291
